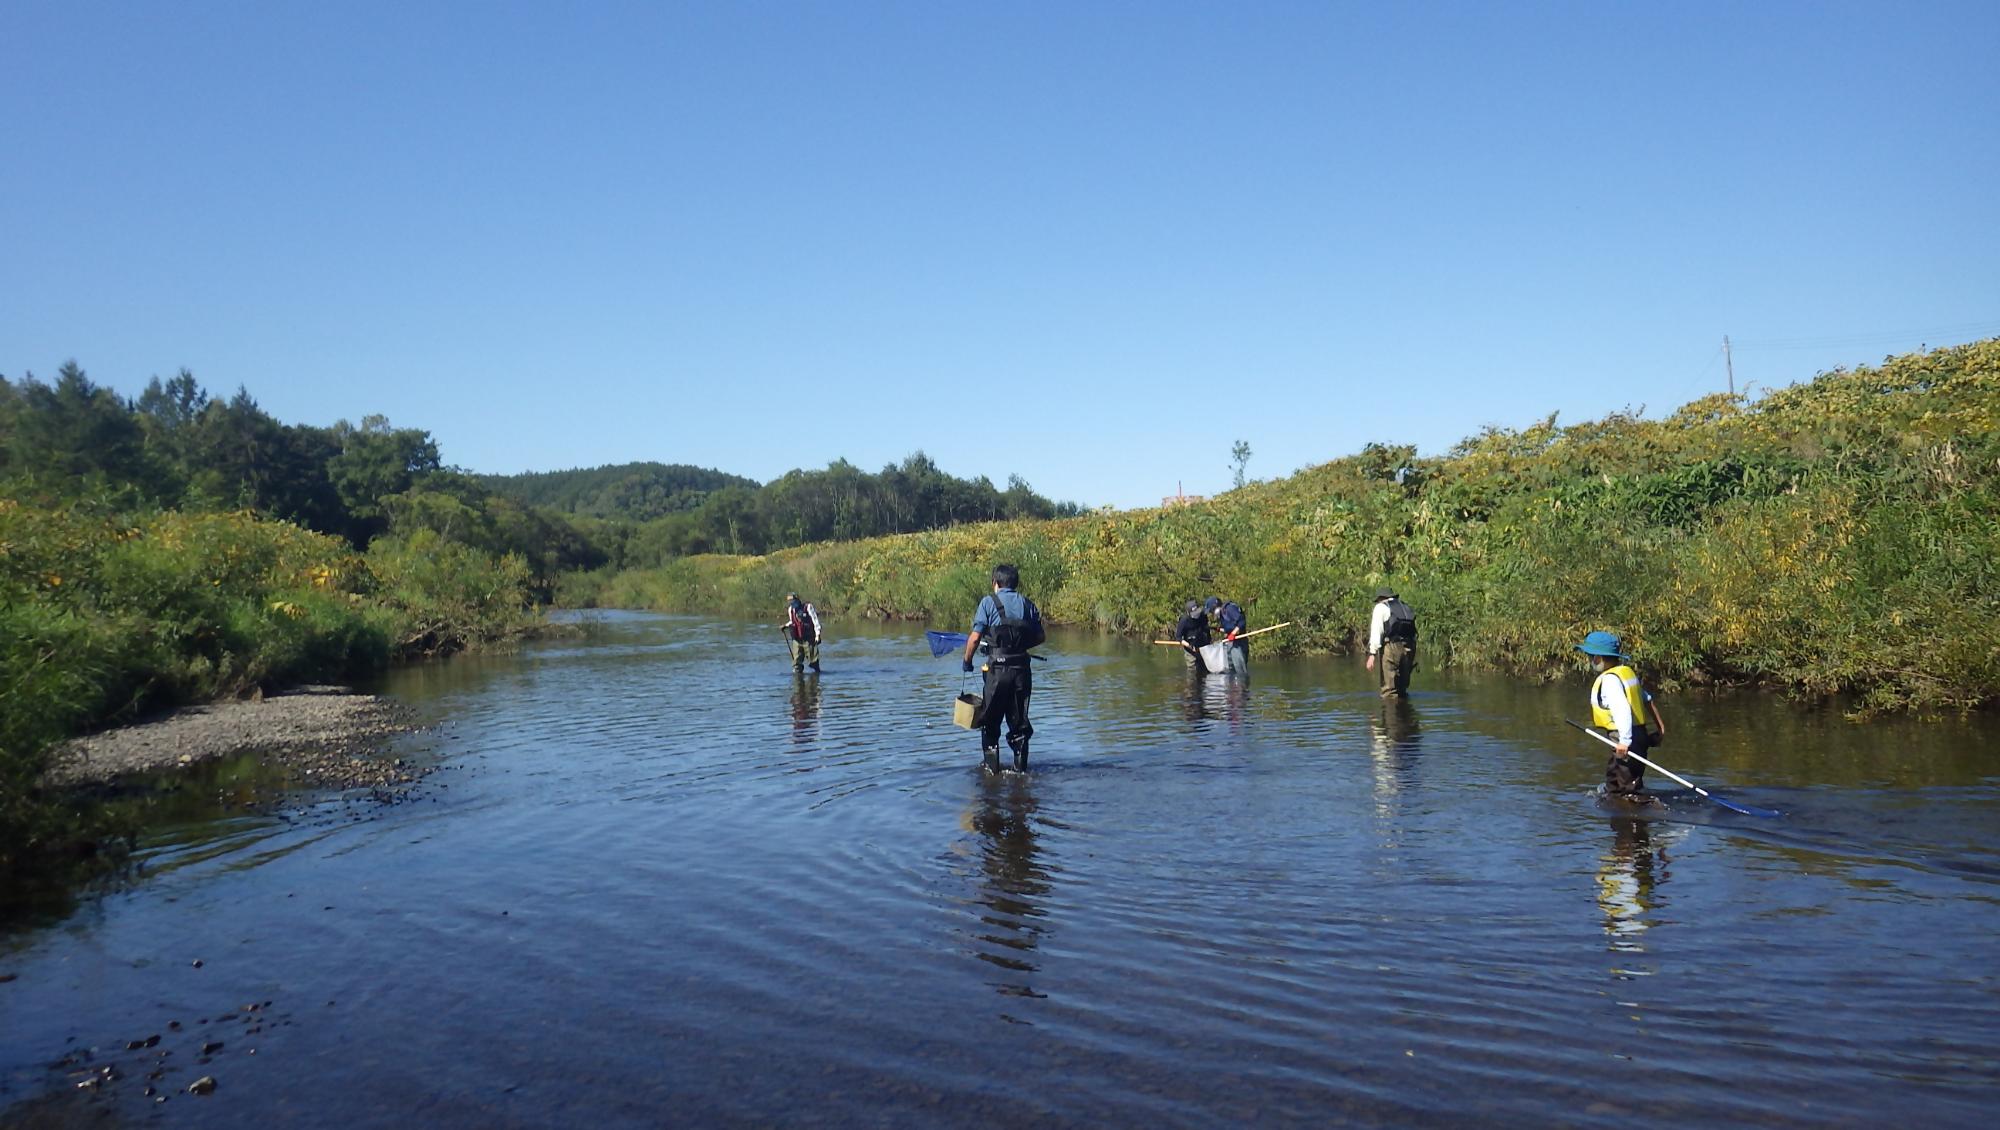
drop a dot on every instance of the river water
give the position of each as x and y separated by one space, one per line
658 879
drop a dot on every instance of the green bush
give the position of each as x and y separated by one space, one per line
104 617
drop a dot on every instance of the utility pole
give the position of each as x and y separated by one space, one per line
1729 364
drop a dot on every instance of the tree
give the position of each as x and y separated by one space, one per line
169 418
376 461
1239 458
74 432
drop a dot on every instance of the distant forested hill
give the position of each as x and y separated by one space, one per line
636 492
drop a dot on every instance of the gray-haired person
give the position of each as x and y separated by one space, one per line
802 631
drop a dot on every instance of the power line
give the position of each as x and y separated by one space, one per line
1701 378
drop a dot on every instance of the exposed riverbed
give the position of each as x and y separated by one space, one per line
659 879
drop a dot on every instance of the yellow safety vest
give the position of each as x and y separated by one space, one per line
1601 714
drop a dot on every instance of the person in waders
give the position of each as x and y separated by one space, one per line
1008 624
1192 631
802 632
1618 706
1230 621
1392 637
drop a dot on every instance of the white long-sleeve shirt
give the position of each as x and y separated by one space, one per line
1609 692
1376 626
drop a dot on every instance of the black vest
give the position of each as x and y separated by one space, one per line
1009 640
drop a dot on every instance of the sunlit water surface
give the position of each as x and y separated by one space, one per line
661 880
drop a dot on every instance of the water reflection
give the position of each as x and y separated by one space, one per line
1215 698
1013 882
1627 876
805 708
1392 749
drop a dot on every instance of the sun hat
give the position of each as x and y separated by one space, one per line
1194 608
1385 593
1602 643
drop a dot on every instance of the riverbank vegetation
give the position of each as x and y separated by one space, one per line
1841 536
109 615
176 547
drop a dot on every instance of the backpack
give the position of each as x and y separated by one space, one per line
1402 625
1014 635
802 625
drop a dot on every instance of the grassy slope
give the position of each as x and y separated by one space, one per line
1837 536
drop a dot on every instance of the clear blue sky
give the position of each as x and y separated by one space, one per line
766 235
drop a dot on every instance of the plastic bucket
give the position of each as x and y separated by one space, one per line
965 710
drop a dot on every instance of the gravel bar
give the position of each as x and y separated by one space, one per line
330 734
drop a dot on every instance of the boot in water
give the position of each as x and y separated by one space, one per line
1021 758
992 762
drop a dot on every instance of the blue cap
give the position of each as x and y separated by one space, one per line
1602 643
1214 602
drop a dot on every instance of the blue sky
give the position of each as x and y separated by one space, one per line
1090 243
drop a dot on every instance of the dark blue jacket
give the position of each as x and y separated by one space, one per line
1230 617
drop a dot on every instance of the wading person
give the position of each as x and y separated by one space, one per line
1618 706
802 631
1008 624
1229 620
1392 637
1192 631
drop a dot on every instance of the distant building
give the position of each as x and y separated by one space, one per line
1180 498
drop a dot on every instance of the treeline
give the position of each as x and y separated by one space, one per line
839 503
174 447
633 492
1839 537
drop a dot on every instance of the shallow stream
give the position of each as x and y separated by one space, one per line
660 879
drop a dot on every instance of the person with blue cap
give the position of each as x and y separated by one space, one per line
1618 706
1229 619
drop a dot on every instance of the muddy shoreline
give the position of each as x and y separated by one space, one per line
328 736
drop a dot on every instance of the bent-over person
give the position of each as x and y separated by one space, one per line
1392 637
802 631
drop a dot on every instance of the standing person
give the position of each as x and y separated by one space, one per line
802 631
1618 705
1009 624
1392 635
1230 620
1192 631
